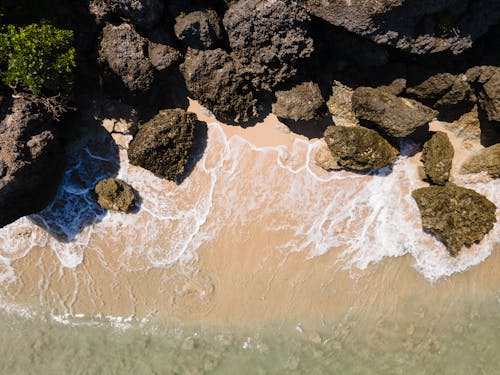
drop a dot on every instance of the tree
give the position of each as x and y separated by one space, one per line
39 58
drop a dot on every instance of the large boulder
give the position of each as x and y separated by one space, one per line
124 51
437 156
485 160
115 194
199 30
162 145
455 215
144 13
489 98
420 27
396 116
302 102
214 78
32 161
269 37
359 148
340 105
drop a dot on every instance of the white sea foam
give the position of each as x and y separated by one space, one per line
364 217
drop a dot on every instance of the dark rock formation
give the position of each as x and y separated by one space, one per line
455 215
162 56
485 160
123 49
420 27
398 117
115 194
162 144
213 78
303 102
31 161
437 157
269 37
199 30
359 148
340 105
486 82
145 13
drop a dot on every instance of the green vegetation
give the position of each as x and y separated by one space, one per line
39 58
182 14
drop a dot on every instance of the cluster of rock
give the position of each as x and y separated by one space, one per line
115 194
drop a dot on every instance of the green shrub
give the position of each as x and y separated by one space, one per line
37 57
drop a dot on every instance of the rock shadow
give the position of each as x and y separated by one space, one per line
311 129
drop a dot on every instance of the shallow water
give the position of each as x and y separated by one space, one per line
258 262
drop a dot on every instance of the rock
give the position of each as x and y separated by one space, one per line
213 78
269 37
359 148
437 156
485 160
455 215
340 105
115 194
460 93
162 56
396 116
200 30
32 161
162 145
302 102
145 13
480 74
325 159
420 27
123 49
489 99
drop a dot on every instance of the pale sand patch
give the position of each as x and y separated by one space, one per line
244 275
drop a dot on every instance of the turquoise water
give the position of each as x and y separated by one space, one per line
418 341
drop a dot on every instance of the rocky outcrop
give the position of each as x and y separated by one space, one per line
115 194
420 27
213 78
485 160
359 148
162 145
340 105
199 30
123 49
455 215
31 161
145 13
302 102
396 116
269 37
486 82
437 156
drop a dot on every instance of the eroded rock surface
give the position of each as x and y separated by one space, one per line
359 148
31 161
396 116
162 145
302 102
115 194
144 13
437 156
455 215
485 160
200 29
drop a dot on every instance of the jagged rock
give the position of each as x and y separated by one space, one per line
359 148
200 30
340 105
122 48
455 215
480 74
115 194
269 37
489 99
32 161
162 56
145 13
302 102
420 27
398 117
162 145
485 160
437 156
325 159
213 78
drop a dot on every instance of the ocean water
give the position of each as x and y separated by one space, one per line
94 292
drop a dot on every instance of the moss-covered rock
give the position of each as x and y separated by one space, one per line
359 148
437 157
455 215
162 145
485 160
115 194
